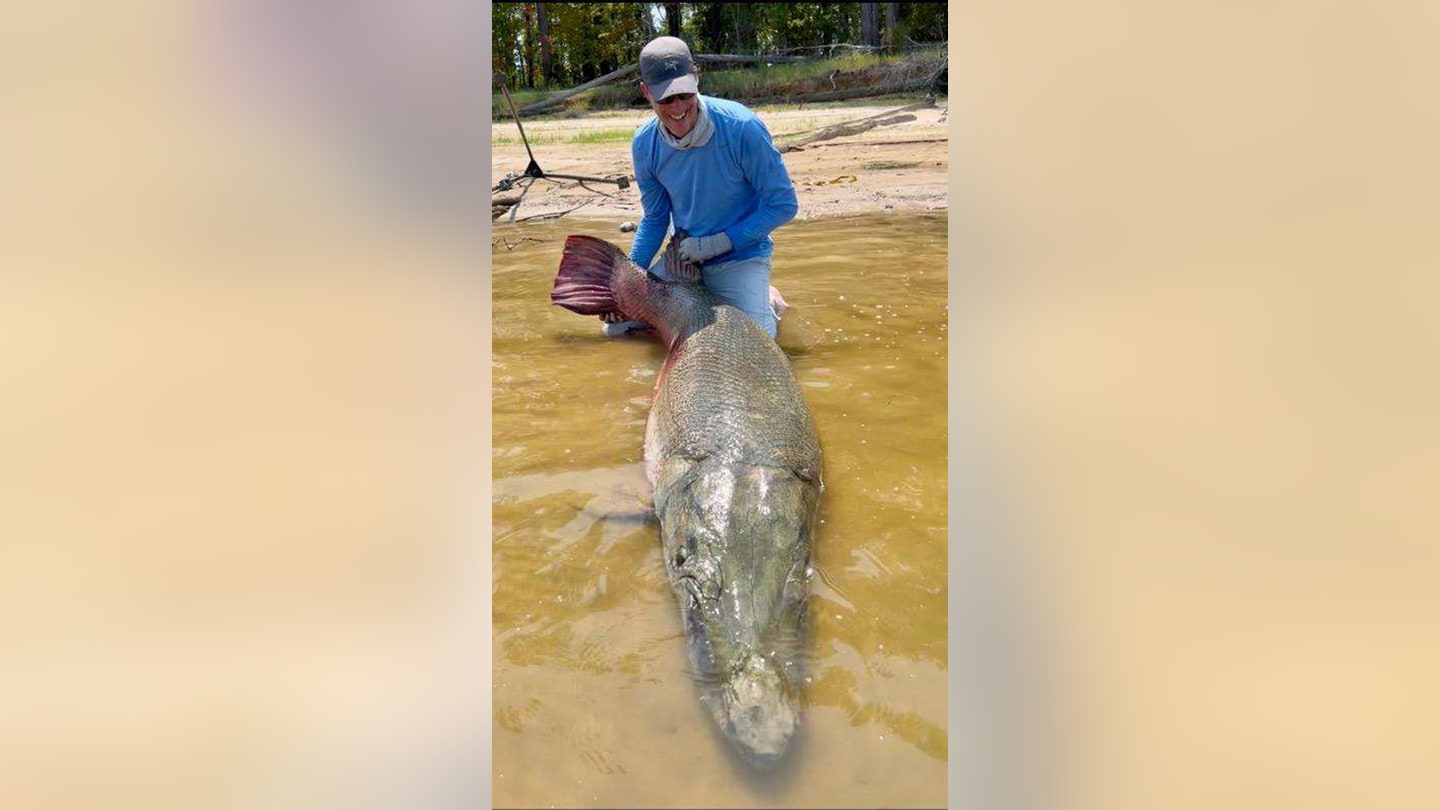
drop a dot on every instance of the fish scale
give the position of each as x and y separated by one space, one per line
732 453
713 399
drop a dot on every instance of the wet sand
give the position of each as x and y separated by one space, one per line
899 167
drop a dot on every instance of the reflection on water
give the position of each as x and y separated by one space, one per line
592 706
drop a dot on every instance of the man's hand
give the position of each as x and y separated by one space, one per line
699 249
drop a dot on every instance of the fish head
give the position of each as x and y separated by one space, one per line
737 541
758 709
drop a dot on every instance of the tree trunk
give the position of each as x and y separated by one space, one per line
870 24
647 23
745 34
892 20
527 53
712 27
672 18
547 67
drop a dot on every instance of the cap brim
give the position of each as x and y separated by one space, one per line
679 84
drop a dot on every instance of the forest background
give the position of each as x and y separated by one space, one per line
558 45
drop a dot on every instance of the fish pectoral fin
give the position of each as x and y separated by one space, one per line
673 472
677 269
810 475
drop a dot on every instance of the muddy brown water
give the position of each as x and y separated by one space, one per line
592 706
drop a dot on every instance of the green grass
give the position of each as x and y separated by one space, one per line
621 135
738 83
762 81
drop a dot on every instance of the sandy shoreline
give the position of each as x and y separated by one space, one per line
896 167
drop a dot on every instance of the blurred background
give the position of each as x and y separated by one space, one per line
1192 261
244 364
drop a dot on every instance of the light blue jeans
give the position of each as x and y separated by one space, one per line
743 284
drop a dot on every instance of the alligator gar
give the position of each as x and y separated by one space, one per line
732 455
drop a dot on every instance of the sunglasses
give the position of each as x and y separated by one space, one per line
676 97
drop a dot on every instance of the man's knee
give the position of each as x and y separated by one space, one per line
766 319
746 286
754 304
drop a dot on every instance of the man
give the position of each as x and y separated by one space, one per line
709 166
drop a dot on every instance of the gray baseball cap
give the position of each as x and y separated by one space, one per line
667 68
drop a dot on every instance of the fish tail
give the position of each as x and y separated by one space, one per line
585 281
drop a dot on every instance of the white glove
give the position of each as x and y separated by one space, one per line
698 249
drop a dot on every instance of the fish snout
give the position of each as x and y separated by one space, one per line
759 714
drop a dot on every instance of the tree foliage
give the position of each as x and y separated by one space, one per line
588 40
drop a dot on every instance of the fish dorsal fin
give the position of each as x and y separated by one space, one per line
677 270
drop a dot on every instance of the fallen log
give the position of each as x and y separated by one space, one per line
616 75
843 95
499 206
745 58
554 214
899 115
841 130
876 143
909 78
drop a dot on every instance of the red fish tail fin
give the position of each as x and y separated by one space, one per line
585 281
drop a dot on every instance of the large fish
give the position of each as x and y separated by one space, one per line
731 451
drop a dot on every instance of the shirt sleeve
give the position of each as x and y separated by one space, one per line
655 202
765 171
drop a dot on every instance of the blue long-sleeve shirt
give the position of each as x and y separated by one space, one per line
736 183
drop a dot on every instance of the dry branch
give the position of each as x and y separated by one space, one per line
554 214
880 143
616 75
742 58
904 78
855 127
845 95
